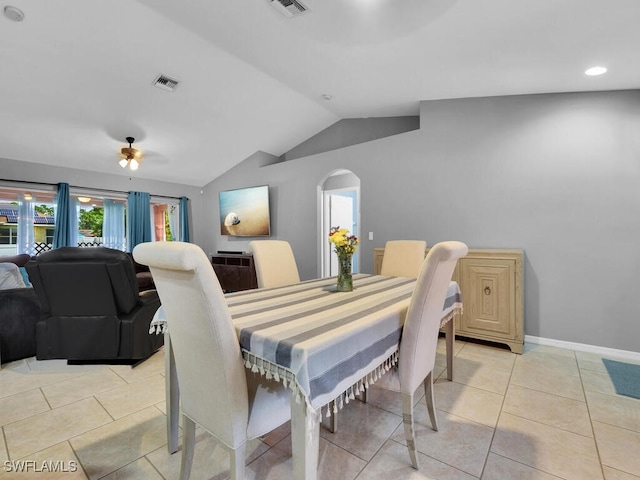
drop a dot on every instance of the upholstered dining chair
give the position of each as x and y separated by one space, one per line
420 336
275 263
403 258
216 390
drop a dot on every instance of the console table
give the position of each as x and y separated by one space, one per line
235 271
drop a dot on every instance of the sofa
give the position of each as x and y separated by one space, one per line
91 306
19 313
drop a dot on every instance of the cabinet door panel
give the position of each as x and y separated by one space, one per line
488 296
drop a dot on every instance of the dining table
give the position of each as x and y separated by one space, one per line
325 346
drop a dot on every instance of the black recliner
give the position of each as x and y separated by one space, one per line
91 306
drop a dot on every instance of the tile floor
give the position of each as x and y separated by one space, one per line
547 414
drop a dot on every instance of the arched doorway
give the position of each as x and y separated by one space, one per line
338 205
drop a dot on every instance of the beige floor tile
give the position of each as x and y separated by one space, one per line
58 462
557 452
152 366
333 463
480 406
613 474
615 410
393 463
619 448
362 429
75 389
502 468
18 381
54 426
131 397
597 382
60 366
590 361
210 459
537 378
486 377
105 449
460 443
547 350
4 455
552 410
141 469
494 357
549 363
275 436
22 405
389 400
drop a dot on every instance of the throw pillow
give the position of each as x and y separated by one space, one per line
10 276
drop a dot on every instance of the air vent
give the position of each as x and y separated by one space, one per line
289 8
165 83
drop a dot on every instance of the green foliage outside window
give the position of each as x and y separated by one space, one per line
91 220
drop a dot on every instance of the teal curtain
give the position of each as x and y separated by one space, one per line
138 219
184 219
65 233
113 225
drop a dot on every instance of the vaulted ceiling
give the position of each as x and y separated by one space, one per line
76 76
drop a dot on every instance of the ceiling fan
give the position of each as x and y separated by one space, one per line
130 156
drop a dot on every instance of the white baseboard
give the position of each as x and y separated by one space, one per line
582 347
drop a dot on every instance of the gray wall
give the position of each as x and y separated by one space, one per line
36 172
556 175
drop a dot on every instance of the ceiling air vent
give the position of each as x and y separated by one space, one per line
165 83
289 8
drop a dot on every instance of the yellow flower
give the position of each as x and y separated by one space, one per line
342 241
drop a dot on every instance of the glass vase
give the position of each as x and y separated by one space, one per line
345 279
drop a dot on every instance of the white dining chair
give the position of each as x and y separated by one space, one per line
403 258
420 336
216 390
275 263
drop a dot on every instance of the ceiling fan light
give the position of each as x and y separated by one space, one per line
134 164
123 163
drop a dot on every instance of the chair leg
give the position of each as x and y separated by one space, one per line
429 397
237 463
409 432
333 419
188 446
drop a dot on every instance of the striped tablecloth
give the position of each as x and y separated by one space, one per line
324 343
327 345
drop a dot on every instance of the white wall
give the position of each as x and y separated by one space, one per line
556 175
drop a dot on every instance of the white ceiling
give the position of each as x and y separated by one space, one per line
76 76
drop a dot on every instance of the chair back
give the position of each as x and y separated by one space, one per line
420 332
213 386
275 263
403 258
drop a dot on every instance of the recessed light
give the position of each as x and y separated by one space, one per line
593 71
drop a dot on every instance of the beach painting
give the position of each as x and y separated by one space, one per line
245 212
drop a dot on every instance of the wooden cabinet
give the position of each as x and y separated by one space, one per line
491 285
235 271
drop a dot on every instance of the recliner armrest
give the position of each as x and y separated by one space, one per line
149 296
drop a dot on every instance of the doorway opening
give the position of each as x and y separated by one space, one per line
339 206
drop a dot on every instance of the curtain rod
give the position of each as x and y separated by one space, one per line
87 188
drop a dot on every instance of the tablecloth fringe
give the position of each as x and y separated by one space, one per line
157 327
359 387
272 371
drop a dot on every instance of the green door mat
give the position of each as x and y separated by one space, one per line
625 377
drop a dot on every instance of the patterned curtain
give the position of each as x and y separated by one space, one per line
184 219
26 211
113 225
138 219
